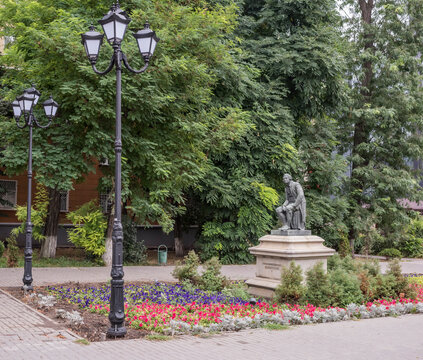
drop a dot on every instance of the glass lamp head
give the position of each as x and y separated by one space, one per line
114 24
26 102
147 41
50 107
92 41
17 112
33 93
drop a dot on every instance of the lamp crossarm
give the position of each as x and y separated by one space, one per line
125 61
110 67
18 122
42 126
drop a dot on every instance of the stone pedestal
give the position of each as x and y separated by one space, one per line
278 250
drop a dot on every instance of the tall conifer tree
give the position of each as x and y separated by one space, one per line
383 124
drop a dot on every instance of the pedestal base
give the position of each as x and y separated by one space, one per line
278 250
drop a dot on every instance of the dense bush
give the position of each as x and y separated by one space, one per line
412 245
345 287
134 250
318 287
291 290
12 251
211 278
1 248
89 229
391 253
187 270
401 284
347 281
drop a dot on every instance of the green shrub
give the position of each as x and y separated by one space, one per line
318 291
211 278
336 262
134 250
12 251
90 226
188 269
38 215
391 253
345 287
412 246
383 286
344 247
237 289
291 290
401 284
1 248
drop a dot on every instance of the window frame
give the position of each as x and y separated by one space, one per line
15 201
67 201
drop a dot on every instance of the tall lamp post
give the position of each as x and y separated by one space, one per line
23 109
114 25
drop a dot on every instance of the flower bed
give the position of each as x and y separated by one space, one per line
170 309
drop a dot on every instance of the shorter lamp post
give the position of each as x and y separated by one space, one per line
114 24
23 110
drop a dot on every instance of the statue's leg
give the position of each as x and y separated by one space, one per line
288 219
282 217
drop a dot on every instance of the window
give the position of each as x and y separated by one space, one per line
106 201
8 194
64 201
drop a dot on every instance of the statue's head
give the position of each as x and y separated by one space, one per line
287 178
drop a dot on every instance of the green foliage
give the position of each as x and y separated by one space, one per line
237 289
211 278
291 290
318 291
384 118
223 241
134 251
344 247
391 253
38 215
89 229
2 247
12 251
230 240
401 285
412 245
336 262
345 288
187 271
171 122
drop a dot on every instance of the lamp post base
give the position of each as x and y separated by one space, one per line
116 331
27 288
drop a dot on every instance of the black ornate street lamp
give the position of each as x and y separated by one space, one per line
114 25
22 109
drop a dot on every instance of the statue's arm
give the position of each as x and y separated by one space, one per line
300 196
286 200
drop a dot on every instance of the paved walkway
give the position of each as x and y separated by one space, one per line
27 334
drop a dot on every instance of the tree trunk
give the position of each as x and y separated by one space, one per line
179 243
107 256
48 247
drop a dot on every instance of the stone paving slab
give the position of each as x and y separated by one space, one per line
375 339
45 276
20 324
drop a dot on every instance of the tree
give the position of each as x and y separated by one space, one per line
169 120
293 48
383 123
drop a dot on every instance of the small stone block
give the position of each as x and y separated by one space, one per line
291 232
